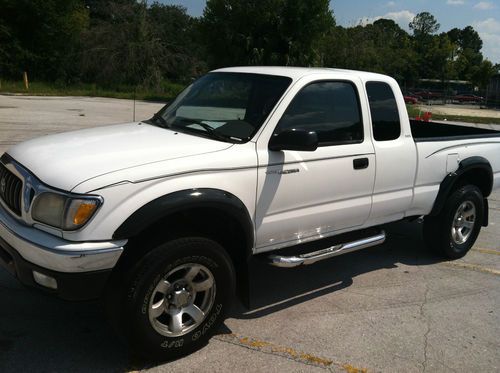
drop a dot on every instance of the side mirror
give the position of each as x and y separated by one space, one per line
294 139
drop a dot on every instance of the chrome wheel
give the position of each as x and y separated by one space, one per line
463 222
181 300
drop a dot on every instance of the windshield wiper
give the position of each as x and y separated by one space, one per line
210 130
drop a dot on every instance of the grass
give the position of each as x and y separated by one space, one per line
413 111
167 92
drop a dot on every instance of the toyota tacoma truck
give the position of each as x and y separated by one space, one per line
160 218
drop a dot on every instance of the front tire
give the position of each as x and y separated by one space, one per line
454 231
175 298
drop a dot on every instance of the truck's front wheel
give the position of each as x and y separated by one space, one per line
176 297
453 232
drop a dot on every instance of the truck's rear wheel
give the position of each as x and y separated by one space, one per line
175 298
454 231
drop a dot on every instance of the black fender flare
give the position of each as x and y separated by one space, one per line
184 200
446 186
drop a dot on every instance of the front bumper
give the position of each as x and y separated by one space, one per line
81 269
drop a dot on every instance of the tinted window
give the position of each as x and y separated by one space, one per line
329 108
384 111
225 105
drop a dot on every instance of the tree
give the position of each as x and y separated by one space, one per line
179 35
424 24
142 45
121 36
135 42
466 53
394 49
382 47
304 24
469 39
482 74
431 51
389 28
281 32
43 37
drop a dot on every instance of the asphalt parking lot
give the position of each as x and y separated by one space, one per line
390 308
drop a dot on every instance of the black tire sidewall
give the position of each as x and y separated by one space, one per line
466 193
141 335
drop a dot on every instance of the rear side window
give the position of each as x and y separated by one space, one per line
384 111
330 108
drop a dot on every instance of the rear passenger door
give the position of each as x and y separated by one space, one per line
304 195
396 158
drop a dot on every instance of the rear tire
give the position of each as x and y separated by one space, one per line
174 299
453 232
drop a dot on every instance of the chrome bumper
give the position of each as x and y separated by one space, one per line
57 254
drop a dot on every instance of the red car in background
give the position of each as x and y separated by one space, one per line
428 95
468 98
411 100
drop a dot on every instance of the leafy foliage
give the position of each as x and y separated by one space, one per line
41 36
256 32
147 45
424 24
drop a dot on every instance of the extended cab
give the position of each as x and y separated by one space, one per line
161 217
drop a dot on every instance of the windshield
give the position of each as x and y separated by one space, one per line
224 106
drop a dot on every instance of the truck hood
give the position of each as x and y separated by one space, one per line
67 159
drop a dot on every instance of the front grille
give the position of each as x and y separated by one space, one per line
10 189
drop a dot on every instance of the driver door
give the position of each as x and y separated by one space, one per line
307 195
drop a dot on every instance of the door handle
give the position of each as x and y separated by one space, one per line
360 163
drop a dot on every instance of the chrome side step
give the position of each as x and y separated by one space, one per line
316 256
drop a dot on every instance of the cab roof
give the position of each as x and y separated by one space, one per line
298 72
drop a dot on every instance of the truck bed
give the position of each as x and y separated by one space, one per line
433 131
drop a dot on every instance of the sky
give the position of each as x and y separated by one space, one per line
484 16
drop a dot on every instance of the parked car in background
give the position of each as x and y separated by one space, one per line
410 99
428 95
468 98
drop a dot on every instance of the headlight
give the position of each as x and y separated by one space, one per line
64 212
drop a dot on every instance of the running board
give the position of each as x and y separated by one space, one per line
316 256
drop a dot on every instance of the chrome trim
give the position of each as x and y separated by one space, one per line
316 256
23 175
51 252
31 184
8 188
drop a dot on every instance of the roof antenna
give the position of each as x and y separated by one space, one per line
135 87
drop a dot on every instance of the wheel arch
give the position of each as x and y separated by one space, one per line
211 213
473 170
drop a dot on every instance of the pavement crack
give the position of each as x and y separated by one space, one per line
286 352
473 267
426 335
424 316
271 349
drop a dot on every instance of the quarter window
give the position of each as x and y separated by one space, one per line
331 109
384 111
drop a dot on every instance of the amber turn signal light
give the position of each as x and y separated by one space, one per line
84 212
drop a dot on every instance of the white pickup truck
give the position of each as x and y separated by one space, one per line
161 217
